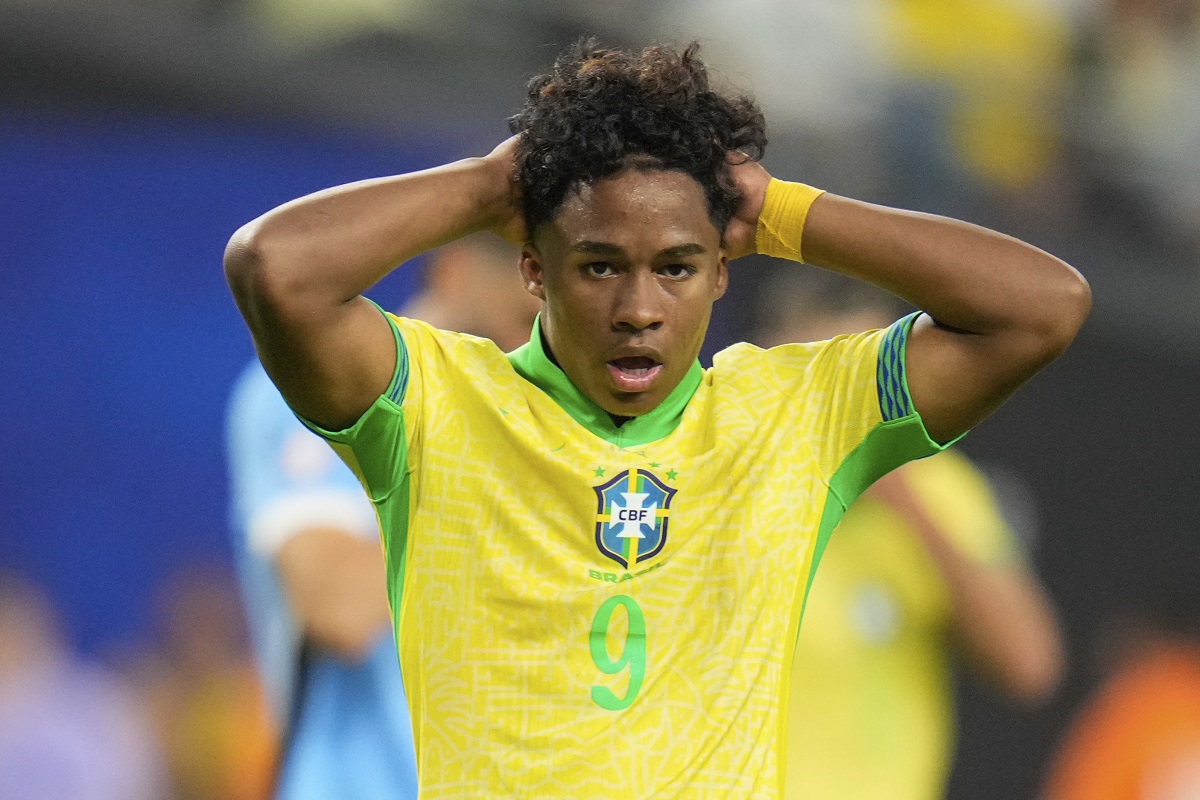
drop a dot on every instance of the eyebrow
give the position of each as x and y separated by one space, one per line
607 249
682 251
597 248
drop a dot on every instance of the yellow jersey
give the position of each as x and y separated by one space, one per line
871 714
592 610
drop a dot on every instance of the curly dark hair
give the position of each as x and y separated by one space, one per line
599 111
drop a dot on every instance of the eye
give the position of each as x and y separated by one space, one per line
677 270
598 269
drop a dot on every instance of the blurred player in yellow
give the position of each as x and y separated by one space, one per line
598 551
922 568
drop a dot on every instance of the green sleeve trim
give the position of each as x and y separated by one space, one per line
375 448
886 447
399 384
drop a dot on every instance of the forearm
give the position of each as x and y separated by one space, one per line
1003 621
335 584
328 247
966 277
1002 618
1006 627
1000 615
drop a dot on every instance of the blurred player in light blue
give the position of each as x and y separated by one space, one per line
312 566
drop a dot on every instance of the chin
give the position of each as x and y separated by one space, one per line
632 405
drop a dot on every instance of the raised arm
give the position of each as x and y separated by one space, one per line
298 272
997 309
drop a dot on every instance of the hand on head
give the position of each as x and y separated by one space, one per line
751 179
509 219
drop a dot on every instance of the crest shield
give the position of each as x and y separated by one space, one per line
632 512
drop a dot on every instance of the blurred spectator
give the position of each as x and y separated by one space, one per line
312 564
1138 736
304 24
935 97
1137 113
816 66
977 97
921 562
200 685
68 730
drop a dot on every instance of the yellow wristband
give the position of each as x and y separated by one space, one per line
781 222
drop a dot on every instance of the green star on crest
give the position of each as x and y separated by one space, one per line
599 472
672 474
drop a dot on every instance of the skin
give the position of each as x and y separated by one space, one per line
627 273
997 309
1003 308
334 583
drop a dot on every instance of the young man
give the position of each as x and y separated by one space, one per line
598 552
312 571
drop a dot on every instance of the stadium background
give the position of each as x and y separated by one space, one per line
135 136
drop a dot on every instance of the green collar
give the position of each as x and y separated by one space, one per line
531 363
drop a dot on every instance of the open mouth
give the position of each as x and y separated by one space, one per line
634 373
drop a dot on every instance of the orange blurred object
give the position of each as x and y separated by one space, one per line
1139 738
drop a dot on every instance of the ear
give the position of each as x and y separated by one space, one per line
722 275
531 271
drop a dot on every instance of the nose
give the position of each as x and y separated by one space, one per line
639 303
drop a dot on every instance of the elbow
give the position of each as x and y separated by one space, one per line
1034 668
263 285
1066 307
245 265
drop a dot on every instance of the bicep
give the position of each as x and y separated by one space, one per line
956 378
332 365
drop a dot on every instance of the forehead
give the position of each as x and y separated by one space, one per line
661 208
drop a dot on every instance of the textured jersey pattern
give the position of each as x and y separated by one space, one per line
537 664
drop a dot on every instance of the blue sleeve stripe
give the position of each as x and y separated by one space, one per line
894 402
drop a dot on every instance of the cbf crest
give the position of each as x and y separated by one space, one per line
632 513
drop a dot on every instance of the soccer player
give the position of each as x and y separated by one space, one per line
597 552
921 566
311 566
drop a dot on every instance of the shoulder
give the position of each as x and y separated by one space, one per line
446 359
788 362
425 337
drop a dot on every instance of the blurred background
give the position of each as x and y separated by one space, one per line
137 135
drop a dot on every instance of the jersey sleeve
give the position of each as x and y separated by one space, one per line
385 445
384 448
877 429
854 393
